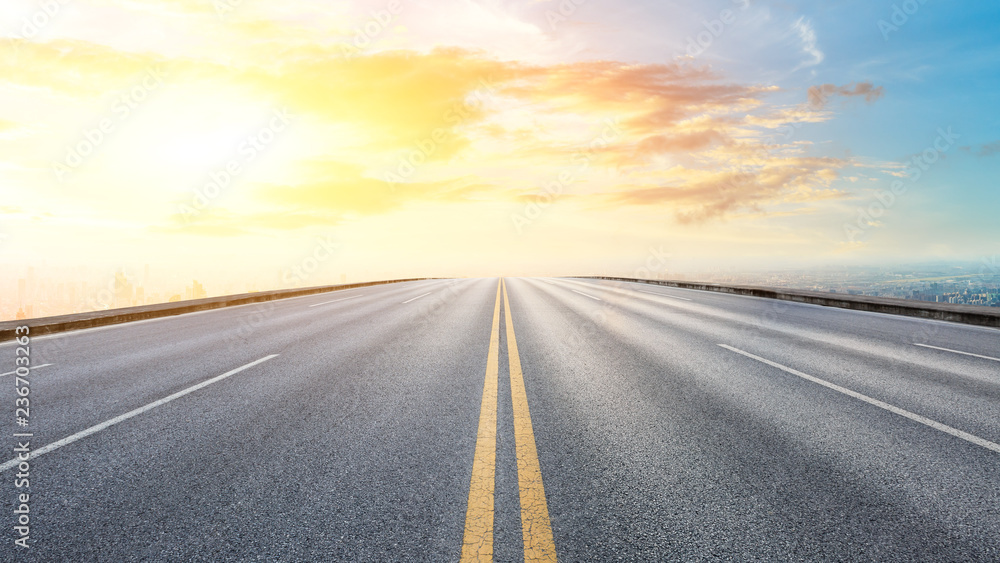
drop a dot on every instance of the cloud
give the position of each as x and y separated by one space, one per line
820 95
678 136
685 142
649 97
339 189
698 196
398 98
803 27
988 149
684 114
74 68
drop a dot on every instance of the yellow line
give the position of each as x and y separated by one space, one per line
535 525
477 544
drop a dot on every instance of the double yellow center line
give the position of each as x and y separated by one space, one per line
536 529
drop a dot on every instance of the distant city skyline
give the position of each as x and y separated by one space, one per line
45 293
42 293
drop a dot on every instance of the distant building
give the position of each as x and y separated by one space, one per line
123 290
198 290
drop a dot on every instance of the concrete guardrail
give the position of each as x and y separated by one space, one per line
62 323
966 314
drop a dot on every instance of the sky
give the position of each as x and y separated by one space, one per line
295 142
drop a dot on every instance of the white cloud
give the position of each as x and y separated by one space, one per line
807 34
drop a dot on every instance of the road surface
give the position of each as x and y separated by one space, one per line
446 419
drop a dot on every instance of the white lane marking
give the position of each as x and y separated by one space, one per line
276 301
955 352
417 297
585 295
30 367
98 427
663 295
548 282
901 412
335 300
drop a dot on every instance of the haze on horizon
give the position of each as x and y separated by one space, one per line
231 141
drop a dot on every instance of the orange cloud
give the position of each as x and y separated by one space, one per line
715 194
819 96
683 137
658 144
651 96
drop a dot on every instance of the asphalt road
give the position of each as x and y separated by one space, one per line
371 424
